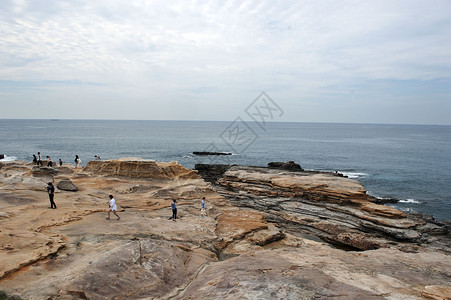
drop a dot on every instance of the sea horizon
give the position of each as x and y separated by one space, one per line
247 121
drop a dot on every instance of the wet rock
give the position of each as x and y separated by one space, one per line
290 166
67 185
211 153
211 172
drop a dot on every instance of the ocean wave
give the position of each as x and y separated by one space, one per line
410 201
353 175
9 158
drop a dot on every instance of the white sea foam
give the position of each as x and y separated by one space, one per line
9 158
410 201
353 175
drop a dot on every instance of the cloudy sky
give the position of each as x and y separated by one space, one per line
321 61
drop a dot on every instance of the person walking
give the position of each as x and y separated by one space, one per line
51 191
113 208
174 209
35 159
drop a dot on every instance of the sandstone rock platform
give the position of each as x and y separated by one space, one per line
267 234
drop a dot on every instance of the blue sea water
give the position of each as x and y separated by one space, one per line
408 162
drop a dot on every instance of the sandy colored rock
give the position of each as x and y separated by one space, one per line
257 241
140 168
437 292
334 208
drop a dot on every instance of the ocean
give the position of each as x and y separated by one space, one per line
411 163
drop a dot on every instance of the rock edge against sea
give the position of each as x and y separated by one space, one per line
268 233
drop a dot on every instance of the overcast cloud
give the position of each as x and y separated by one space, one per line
321 61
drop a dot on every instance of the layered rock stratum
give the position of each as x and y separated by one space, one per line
268 233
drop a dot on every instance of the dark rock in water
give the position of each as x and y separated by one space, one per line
210 172
211 153
67 185
2 156
290 166
382 200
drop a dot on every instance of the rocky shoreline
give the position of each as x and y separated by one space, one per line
269 233
337 210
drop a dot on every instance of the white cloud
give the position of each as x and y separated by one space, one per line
182 54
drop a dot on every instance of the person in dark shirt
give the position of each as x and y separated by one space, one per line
35 159
174 209
51 191
49 162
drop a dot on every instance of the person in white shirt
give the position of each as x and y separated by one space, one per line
113 208
202 207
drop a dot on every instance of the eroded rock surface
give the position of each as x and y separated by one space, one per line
266 234
334 208
140 168
67 185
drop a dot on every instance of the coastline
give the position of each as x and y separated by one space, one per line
262 225
403 162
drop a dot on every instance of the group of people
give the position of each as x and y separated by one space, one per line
38 161
174 209
113 207
112 202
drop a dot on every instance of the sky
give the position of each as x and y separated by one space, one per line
320 61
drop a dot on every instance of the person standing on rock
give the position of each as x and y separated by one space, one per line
202 207
35 159
60 162
51 191
113 208
49 162
77 161
39 159
174 209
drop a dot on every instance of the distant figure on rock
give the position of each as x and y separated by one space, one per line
60 162
39 159
202 207
77 161
35 159
174 209
49 162
97 157
51 191
113 208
